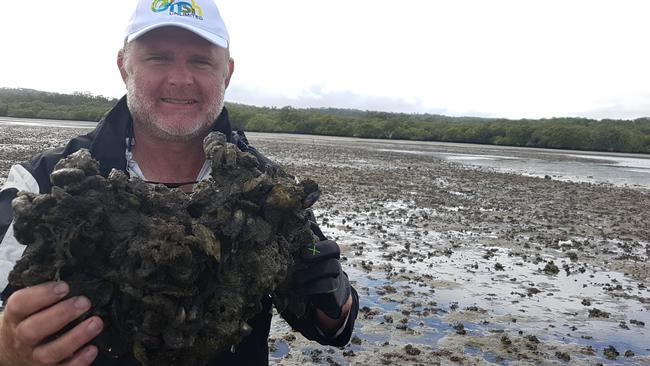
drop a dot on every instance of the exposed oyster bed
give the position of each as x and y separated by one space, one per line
459 265
175 277
453 264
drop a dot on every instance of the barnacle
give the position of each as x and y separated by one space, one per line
174 276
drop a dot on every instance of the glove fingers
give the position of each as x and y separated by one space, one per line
320 251
337 287
322 286
343 290
330 268
332 301
321 278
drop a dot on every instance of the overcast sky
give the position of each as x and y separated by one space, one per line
499 58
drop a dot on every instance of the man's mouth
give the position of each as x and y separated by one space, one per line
178 101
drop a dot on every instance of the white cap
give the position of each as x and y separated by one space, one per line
198 16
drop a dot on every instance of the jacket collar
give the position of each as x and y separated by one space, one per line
109 141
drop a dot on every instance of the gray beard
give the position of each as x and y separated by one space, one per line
141 116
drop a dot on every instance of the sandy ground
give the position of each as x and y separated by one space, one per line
459 265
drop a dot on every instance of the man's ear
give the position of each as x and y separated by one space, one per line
231 69
121 65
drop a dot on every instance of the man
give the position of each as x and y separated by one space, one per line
176 66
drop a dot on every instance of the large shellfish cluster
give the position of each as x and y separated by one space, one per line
174 276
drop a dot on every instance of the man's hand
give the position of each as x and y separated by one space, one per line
33 315
322 279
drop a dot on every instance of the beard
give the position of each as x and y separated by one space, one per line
145 115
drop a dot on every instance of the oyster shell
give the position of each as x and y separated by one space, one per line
173 276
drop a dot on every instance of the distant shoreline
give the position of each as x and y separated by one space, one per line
582 134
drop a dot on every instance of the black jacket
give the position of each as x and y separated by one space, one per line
107 144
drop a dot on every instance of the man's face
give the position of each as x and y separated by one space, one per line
175 82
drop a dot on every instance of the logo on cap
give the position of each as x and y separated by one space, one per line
180 8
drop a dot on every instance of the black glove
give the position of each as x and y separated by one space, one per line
321 279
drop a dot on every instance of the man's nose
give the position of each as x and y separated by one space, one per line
180 75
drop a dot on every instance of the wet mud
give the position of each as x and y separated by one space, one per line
468 266
460 265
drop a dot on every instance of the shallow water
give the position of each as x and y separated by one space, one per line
47 123
488 289
616 170
465 283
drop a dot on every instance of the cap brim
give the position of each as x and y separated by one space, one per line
210 37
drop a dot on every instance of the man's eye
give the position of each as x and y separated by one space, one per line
201 62
156 58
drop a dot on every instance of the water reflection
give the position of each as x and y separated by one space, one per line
593 168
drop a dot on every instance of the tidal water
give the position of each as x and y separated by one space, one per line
35 122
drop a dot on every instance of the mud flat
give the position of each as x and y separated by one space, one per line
461 265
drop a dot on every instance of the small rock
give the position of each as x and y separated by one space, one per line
610 352
551 268
532 291
410 350
638 323
597 313
532 338
349 353
475 309
589 350
460 329
505 340
289 337
564 356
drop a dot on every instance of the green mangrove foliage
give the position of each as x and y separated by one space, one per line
29 103
560 133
